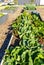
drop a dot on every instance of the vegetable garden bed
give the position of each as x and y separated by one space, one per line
9 9
29 30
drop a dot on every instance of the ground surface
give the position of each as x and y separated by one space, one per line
4 28
40 9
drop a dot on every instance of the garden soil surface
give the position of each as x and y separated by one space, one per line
41 11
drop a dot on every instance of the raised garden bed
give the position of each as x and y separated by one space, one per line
3 17
28 29
30 7
9 9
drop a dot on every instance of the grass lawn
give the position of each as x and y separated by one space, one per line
7 7
39 6
3 7
1 14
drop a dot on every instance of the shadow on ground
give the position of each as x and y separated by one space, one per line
5 44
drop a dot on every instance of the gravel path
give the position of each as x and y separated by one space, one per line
4 28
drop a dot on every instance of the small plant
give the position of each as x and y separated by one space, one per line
9 7
30 7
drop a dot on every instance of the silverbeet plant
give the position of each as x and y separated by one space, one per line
29 51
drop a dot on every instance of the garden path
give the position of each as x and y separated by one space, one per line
4 28
41 11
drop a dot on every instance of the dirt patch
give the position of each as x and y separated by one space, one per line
41 11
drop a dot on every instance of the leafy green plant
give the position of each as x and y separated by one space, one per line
24 56
9 7
30 7
26 25
39 60
18 56
29 51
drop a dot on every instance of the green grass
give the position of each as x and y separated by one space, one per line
1 14
39 6
9 8
30 7
2 7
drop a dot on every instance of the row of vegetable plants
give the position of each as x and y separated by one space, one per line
29 29
9 9
30 7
